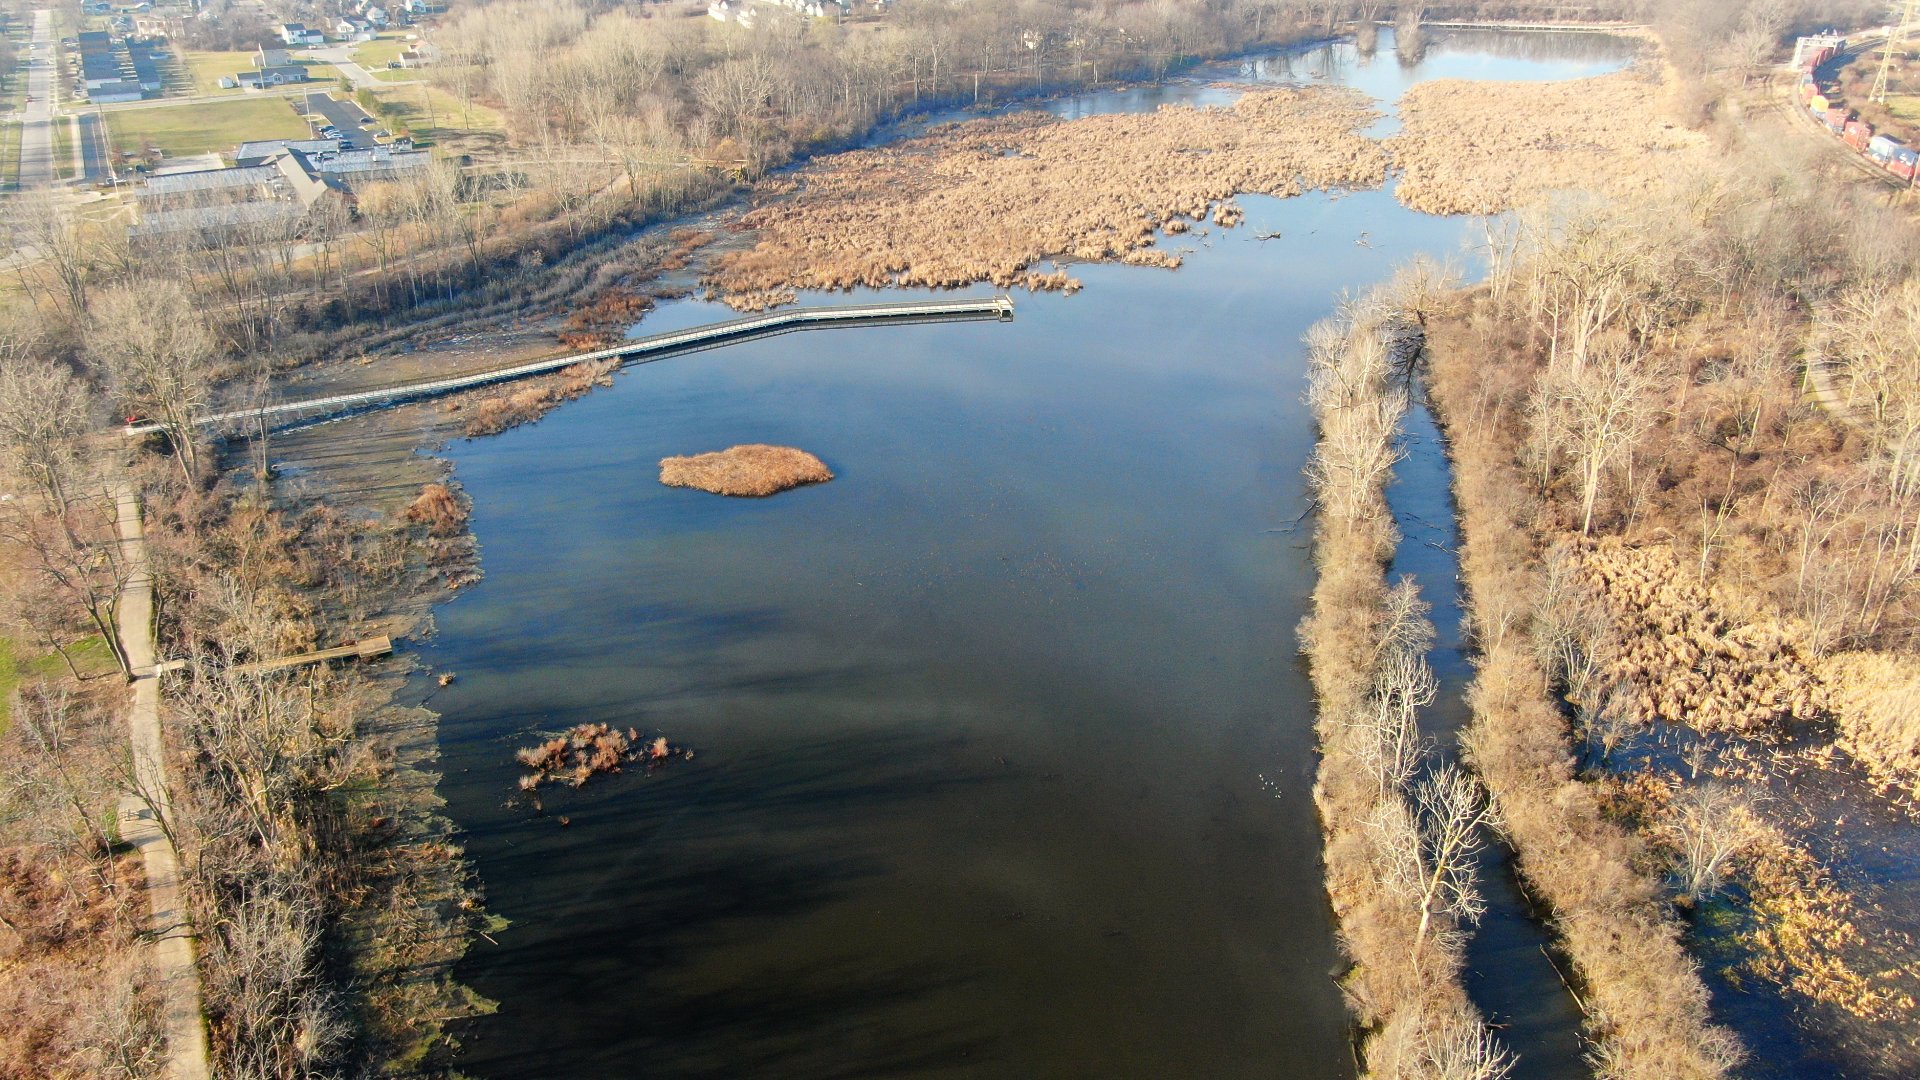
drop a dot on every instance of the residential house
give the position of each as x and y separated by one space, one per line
419 54
264 57
353 28
299 35
270 77
740 11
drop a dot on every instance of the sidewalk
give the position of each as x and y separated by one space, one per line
173 942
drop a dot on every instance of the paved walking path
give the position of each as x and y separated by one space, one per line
173 943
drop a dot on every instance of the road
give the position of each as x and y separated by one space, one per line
36 127
91 159
341 56
140 817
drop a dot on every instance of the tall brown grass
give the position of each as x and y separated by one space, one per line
1875 699
1647 1009
1365 643
531 401
753 470
1685 659
988 200
1470 147
440 509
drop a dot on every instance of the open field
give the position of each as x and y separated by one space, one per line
207 68
433 114
197 129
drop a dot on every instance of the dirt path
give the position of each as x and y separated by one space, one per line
173 942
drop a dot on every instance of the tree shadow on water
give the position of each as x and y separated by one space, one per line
667 930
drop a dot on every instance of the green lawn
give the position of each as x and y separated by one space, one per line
90 655
199 128
10 154
14 91
376 54
206 69
431 113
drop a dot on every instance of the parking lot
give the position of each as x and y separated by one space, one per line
351 119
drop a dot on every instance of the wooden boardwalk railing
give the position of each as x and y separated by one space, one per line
364 649
639 350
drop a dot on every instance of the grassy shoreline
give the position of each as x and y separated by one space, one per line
1646 1006
1400 830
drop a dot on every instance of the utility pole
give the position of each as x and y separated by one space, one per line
1905 14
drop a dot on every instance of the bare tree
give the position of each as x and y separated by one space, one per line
1707 826
69 561
1597 411
158 352
1385 728
1873 332
1463 1049
45 413
44 716
1450 816
56 252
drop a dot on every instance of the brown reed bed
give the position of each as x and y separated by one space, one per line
754 470
1686 658
1646 1007
533 400
1366 644
585 751
1484 148
988 200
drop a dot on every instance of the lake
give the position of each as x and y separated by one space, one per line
1003 749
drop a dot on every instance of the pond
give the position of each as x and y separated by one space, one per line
1003 749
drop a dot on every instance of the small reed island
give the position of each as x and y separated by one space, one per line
751 471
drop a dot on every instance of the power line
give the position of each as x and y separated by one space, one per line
1905 16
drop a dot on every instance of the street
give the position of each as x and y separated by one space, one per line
36 129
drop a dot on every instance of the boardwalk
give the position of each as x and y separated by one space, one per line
637 351
1540 28
365 649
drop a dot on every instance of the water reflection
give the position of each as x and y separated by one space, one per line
1003 753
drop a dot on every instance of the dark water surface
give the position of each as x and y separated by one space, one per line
1003 749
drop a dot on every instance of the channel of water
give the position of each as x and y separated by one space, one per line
1003 751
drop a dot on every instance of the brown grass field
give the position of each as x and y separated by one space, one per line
987 200
1484 148
754 470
